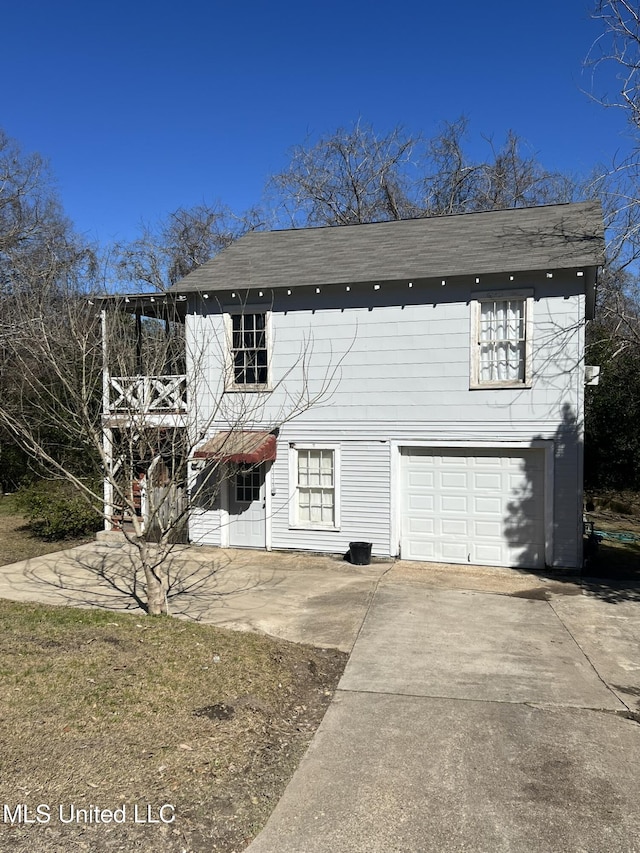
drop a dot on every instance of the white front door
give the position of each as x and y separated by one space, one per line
247 506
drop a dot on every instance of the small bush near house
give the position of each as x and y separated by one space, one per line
55 511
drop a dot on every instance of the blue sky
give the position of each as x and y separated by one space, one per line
143 107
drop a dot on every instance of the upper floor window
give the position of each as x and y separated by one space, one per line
501 339
249 350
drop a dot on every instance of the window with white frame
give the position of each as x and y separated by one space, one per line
249 350
501 339
315 473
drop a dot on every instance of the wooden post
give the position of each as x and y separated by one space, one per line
106 379
139 369
107 435
107 443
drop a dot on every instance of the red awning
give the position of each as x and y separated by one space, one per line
248 446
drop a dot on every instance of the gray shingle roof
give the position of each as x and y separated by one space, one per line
532 238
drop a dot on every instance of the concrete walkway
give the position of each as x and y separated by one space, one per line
481 709
320 600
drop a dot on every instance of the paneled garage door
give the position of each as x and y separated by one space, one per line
479 506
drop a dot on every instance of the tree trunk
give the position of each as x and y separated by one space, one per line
156 599
156 596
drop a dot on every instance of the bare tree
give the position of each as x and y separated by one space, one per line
619 45
616 328
351 176
356 176
170 250
453 183
27 200
119 377
614 60
41 261
614 57
99 399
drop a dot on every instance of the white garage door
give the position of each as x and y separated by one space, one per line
478 506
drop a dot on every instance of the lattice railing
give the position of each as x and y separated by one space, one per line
148 394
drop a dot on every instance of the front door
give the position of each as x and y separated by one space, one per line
247 513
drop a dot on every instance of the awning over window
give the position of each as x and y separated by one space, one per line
248 446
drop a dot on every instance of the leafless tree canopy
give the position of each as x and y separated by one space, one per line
348 177
355 175
38 250
43 265
619 46
164 254
614 60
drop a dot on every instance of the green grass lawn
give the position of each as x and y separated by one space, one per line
114 710
121 712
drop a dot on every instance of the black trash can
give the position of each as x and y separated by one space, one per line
360 553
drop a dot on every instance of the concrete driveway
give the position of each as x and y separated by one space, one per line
481 709
482 719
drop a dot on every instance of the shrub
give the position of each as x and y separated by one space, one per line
54 510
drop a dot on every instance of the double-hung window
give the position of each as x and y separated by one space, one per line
501 339
314 472
248 336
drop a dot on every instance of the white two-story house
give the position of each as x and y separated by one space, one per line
416 384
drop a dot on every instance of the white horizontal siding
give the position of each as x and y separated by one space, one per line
369 499
204 527
395 368
394 362
364 498
567 526
425 432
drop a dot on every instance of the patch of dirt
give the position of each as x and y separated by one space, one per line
125 733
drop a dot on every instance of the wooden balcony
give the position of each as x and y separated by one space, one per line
147 395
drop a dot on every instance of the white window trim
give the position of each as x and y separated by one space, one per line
294 522
229 384
475 383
